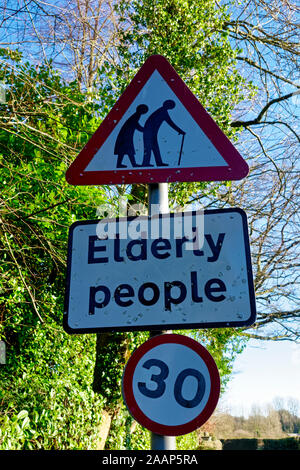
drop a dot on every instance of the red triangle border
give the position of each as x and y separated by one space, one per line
237 167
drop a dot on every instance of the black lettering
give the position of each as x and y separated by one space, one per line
215 248
119 295
141 293
168 297
92 249
196 251
93 303
194 284
209 289
179 243
117 256
142 255
159 379
179 384
159 245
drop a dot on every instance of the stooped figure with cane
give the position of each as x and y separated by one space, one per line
151 128
124 144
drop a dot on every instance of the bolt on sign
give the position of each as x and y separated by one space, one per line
170 271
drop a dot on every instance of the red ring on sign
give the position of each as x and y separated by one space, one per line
133 407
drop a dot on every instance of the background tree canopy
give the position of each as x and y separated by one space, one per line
63 65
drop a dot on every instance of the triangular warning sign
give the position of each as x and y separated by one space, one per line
157 132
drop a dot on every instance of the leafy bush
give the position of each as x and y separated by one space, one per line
240 444
289 443
49 404
188 441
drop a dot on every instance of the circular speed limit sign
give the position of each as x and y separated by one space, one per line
171 385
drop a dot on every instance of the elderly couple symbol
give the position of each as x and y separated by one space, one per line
124 142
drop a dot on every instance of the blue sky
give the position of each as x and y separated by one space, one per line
263 371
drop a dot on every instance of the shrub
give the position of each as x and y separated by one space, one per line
289 443
240 444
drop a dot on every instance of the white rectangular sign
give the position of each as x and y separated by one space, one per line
172 271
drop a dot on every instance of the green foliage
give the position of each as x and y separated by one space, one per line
112 352
224 344
188 441
38 206
240 444
139 439
190 34
290 423
288 443
47 397
127 434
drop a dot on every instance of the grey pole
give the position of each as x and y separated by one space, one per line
158 195
158 203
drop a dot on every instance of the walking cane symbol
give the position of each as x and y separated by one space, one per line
180 153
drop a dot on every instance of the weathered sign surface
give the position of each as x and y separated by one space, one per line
181 271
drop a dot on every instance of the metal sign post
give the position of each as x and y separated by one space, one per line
158 203
138 142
